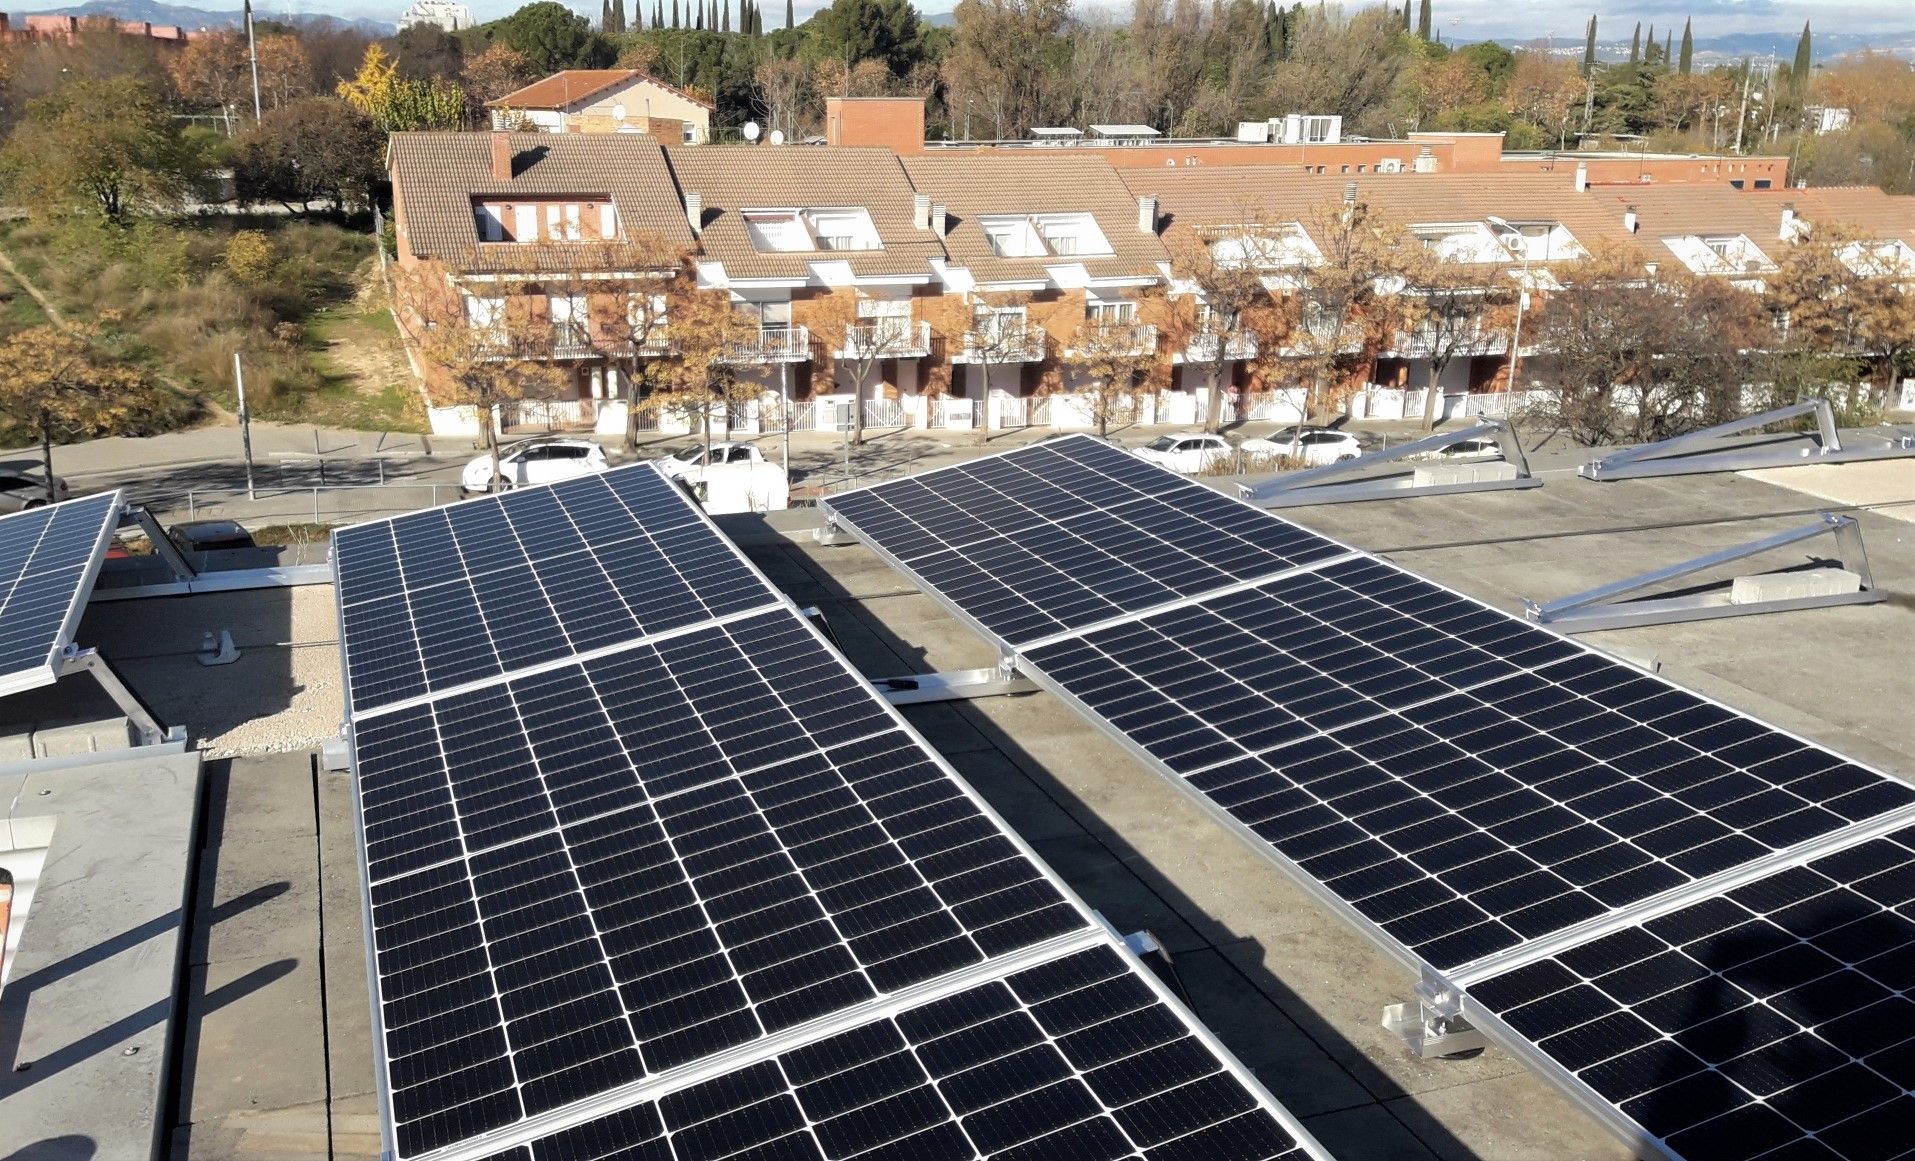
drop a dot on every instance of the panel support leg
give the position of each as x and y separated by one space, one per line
147 726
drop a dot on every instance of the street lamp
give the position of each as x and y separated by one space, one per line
1522 298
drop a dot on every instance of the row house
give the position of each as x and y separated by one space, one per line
953 289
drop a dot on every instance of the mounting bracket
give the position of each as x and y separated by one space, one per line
150 731
1697 452
955 684
1602 607
1328 484
1433 1024
829 534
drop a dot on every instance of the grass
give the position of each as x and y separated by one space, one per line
290 534
364 381
18 311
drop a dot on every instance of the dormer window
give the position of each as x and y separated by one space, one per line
1043 235
1719 253
548 219
1538 241
797 231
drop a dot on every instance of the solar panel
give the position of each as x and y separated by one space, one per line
48 559
1067 533
1079 1057
596 881
606 870
1462 780
1775 1020
448 596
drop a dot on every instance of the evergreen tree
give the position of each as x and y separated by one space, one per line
1406 15
724 17
1804 61
1668 43
698 24
788 21
1423 20
1635 45
1688 49
605 16
658 13
674 13
1589 49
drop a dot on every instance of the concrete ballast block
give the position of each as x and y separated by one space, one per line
1464 473
1794 586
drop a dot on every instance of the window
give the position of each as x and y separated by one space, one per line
770 316
484 313
572 230
1111 314
777 231
492 223
525 223
569 314
691 134
1004 240
607 220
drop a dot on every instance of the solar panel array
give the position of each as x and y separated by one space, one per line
48 559
601 869
1472 790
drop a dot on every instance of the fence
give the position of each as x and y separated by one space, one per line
330 504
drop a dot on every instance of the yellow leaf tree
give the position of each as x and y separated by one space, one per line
1847 294
54 383
1120 364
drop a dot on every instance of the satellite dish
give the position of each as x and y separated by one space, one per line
750 130
777 136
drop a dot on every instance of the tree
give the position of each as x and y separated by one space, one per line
477 351
1635 44
1545 92
1688 49
1341 307
1348 66
784 89
1846 293
1804 61
499 70
210 71
553 37
1589 49
1638 356
860 343
995 331
1217 296
395 104
855 30
108 145
1423 19
1008 57
53 384
696 377
1121 366
315 149
425 51
1872 86
1452 309
630 287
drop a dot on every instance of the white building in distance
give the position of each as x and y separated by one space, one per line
444 13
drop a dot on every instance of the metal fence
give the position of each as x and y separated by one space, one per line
333 504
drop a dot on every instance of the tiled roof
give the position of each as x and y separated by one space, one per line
568 87
802 177
1210 195
438 175
1055 181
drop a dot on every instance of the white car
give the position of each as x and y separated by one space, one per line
1478 448
1189 452
732 477
535 461
1315 446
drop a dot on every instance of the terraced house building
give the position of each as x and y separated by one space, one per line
967 288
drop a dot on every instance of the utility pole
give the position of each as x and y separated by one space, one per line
245 424
252 56
1742 117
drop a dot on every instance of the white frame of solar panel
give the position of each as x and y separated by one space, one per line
49 672
1095 931
1431 980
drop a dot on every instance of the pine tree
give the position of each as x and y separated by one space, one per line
1635 45
605 16
1423 20
1688 49
1668 44
674 13
1589 49
724 18
698 25
788 21
1406 15
1804 61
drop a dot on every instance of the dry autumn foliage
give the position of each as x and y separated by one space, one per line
54 383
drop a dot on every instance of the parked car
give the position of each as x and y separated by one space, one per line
1476 448
535 461
209 535
22 490
1187 451
731 477
1315 446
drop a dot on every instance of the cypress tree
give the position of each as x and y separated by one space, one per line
1668 43
674 13
1589 49
724 18
1635 45
1423 20
1804 61
788 20
605 16
658 13
1688 49
698 24
1406 15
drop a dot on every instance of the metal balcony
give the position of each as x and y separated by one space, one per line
1236 348
1002 344
1119 339
887 339
769 345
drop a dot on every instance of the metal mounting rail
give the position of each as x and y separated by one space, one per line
1602 607
145 724
1692 454
1328 484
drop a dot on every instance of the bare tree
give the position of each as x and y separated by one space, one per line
860 343
1452 309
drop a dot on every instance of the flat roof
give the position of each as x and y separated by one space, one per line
1124 131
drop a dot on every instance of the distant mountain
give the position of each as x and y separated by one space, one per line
1735 46
155 12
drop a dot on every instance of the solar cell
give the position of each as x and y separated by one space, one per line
601 871
1463 780
1077 1057
48 559
1066 533
1775 1020
444 597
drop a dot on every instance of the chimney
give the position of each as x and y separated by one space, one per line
1582 177
1425 160
502 156
1630 220
1146 214
1789 228
695 212
921 211
1349 193
939 221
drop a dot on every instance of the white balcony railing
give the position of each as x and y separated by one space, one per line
769 345
1236 348
1114 339
887 339
1002 343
